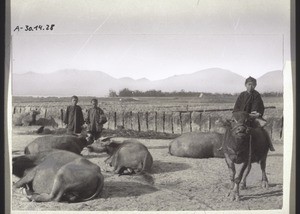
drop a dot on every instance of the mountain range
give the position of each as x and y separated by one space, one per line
97 83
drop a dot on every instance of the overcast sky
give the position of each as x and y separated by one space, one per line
151 38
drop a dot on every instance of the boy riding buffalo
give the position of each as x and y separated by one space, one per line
251 102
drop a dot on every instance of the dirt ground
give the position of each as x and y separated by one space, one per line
181 184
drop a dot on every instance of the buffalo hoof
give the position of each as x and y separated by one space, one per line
30 198
237 198
39 197
265 184
243 186
229 194
233 196
20 190
24 191
231 185
28 192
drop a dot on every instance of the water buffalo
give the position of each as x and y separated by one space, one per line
244 145
197 145
129 155
70 143
46 122
57 176
25 119
56 131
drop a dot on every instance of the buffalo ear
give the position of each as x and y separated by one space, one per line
227 122
224 123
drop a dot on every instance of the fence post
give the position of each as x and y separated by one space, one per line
205 122
186 122
111 120
128 120
160 121
168 125
120 119
61 116
177 123
196 121
152 121
27 108
135 121
143 121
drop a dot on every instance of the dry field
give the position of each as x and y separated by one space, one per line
148 103
180 183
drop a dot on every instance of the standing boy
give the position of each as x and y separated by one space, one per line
95 119
251 102
74 117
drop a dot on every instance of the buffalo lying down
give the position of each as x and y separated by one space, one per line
57 131
70 143
46 122
197 145
57 176
130 155
25 119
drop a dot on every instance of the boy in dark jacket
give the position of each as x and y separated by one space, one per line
95 119
251 102
74 117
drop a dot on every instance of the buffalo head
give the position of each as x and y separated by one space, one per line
30 118
86 137
89 138
239 125
105 145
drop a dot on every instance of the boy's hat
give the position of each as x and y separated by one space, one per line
74 97
94 99
250 79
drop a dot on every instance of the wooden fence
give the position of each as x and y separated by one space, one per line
176 122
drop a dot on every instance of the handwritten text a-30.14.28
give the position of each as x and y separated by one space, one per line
34 28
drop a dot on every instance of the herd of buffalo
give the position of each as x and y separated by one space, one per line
53 168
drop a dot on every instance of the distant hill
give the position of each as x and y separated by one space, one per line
271 82
214 80
97 83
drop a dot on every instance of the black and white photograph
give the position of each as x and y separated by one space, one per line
142 105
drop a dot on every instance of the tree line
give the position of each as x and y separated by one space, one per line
126 92
134 93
